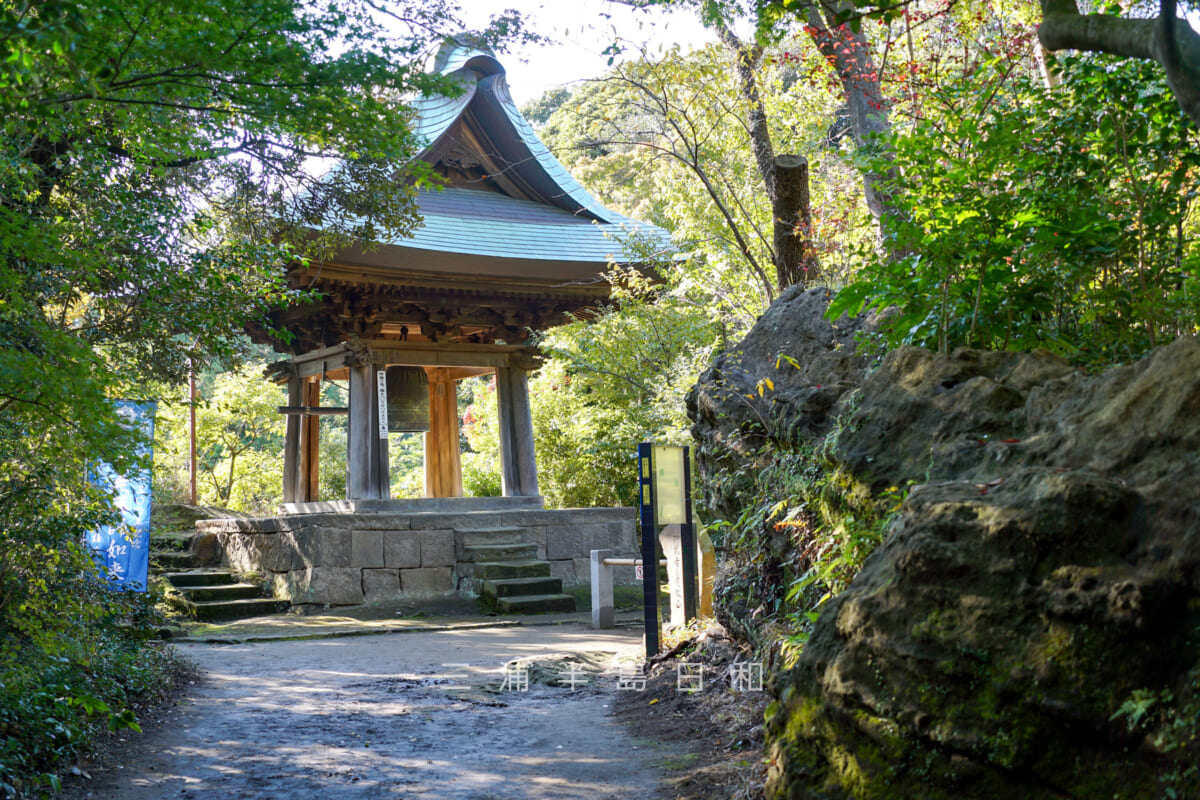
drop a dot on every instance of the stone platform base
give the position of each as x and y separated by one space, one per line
370 556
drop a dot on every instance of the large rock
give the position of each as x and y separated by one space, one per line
810 363
1037 591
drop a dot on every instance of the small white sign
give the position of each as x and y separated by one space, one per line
381 382
637 572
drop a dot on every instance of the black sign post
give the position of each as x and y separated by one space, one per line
688 540
649 546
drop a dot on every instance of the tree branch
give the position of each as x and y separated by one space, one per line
745 61
1175 47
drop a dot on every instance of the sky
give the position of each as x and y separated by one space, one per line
581 29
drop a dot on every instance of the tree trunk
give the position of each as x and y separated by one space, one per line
746 60
849 53
785 178
795 256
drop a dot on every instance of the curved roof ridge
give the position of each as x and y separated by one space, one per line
460 51
484 79
546 160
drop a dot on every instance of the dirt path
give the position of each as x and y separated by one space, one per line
377 717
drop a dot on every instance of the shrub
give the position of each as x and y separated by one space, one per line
1035 218
75 656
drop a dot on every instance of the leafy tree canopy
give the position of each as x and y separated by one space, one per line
1059 218
163 159
1117 28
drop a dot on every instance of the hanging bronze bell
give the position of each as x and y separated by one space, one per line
407 400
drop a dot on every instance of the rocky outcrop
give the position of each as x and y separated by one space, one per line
1030 626
784 382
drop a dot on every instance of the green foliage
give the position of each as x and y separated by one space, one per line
334 437
406 464
481 431
803 532
609 383
239 441
74 656
153 157
664 138
333 444
1170 722
481 474
539 110
614 381
1061 219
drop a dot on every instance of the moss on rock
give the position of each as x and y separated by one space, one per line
1028 626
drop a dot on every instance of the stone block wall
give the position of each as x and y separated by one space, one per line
381 557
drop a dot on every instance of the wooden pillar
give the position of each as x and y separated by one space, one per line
518 464
291 442
367 448
309 474
381 474
443 459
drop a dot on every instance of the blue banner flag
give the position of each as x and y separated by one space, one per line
123 550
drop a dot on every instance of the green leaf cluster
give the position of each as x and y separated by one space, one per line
609 383
1168 721
1043 218
239 443
802 532
664 138
75 656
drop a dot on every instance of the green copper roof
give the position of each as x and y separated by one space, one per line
559 219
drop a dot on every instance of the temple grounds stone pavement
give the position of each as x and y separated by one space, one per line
375 716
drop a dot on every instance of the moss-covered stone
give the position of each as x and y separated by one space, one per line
1041 578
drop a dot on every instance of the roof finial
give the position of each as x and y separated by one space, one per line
457 50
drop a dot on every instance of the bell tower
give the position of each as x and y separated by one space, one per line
510 245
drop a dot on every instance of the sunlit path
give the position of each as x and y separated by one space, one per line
369 717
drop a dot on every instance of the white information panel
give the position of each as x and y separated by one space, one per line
381 382
670 500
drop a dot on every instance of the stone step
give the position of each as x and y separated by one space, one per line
216 610
208 577
492 570
491 553
468 536
233 591
520 587
535 604
173 559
